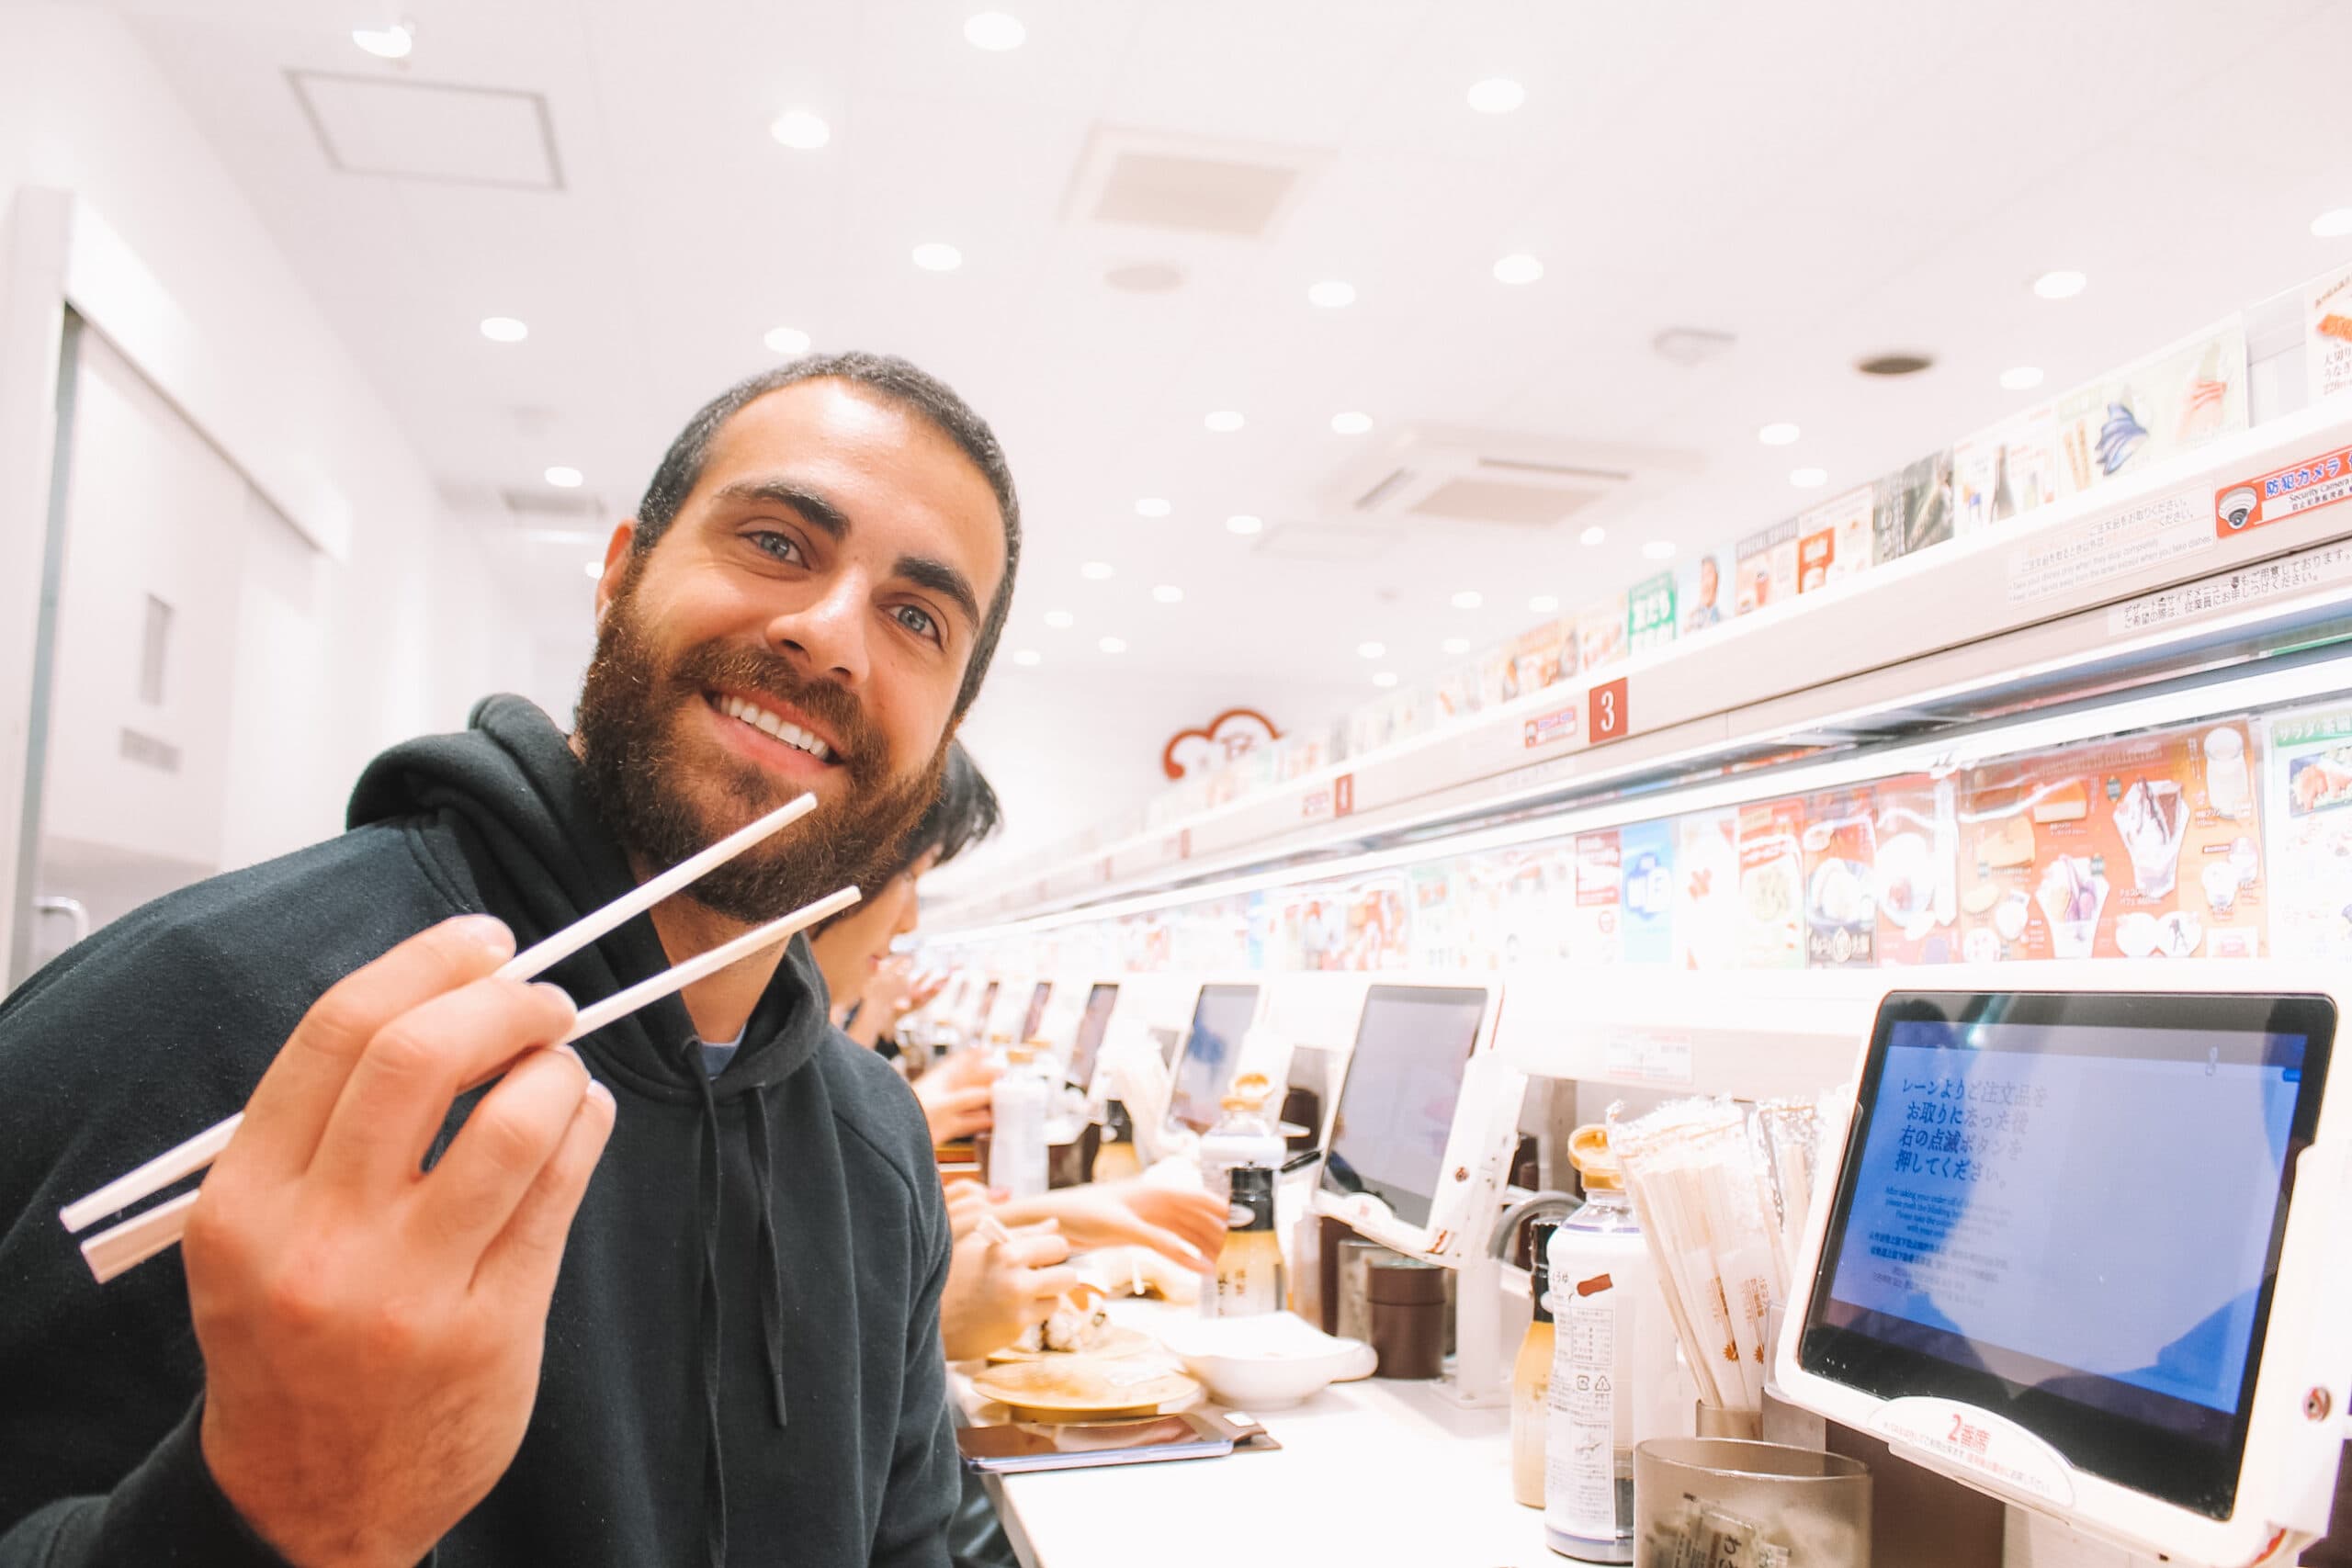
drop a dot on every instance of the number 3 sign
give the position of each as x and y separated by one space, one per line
1606 707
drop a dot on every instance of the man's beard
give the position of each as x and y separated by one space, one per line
641 770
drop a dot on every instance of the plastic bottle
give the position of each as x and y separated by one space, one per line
1611 1321
1530 1375
1249 1267
1017 1107
1244 1136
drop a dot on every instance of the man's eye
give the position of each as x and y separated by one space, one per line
917 620
783 546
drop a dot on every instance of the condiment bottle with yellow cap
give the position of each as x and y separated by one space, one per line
1609 1325
1017 1107
1245 1135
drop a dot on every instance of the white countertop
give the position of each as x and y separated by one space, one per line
1373 1472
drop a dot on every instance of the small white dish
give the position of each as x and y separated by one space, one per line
1268 1362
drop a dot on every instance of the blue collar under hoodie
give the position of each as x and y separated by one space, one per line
742 1361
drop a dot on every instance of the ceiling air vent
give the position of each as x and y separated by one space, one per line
431 130
1512 480
1188 184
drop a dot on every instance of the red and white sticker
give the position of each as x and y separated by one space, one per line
1560 724
2283 493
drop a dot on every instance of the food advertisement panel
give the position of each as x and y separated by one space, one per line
1378 925
1834 540
1766 567
1437 935
1840 842
1706 890
1916 881
1911 508
2327 334
1649 612
1601 633
1544 655
2141 848
1599 937
1645 910
2310 821
2170 403
1521 905
1703 588
1771 884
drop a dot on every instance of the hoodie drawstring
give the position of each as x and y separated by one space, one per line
771 1256
714 1478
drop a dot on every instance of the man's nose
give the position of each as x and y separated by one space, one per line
827 634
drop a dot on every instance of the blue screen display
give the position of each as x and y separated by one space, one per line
2088 1210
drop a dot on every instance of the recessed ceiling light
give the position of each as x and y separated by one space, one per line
1594 534
2332 225
1659 550
1469 599
1225 420
1778 435
2060 285
1146 278
1518 268
786 340
563 477
2021 378
1113 645
1544 604
1371 649
1456 645
1808 478
1027 658
1903 364
390 42
1097 571
1243 524
504 329
1384 679
1351 422
1497 95
800 130
1152 506
596 571
937 257
1168 593
995 31
1060 620
1332 295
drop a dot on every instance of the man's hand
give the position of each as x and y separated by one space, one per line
999 1282
372 1333
1185 1227
955 1096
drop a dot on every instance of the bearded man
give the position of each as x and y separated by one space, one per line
404 1322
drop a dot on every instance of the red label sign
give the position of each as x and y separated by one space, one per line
2282 493
1344 794
1560 724
1606 706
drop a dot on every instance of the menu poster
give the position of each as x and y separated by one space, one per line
1520 907
2309 783
1916 885
1834 540
1601 633
1647 909
1599 941
1458 692
1771 884
1766 567
1999 852
1649 612
1378 913
1840 842
1706 891
1497 676
1999 475
1702 591
1911 509
2327 334
2170 403
1544 655
1436 937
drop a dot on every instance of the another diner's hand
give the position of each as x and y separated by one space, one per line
372 1331
896 990
1185 1227
955 1096
998 1285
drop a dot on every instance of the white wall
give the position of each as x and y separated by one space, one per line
339 657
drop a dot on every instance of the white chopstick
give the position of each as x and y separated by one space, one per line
206 1146
120 1247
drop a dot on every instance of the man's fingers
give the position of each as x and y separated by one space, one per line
289 1110
1047 1286
1035 1251
526 1254
1173 1247
400 1089
498 1155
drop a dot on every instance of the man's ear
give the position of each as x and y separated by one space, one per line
616 549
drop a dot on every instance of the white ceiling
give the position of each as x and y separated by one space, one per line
1824 179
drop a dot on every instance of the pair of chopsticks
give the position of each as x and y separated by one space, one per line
123 1246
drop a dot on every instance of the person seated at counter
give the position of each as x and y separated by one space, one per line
686 1316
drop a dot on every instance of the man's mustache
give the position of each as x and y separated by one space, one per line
744 670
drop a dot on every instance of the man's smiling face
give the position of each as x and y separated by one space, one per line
803 623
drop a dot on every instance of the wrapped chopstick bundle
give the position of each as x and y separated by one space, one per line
1790 1134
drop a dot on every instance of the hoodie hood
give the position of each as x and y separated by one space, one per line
541 856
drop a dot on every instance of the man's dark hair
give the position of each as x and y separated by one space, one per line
918 392
965 812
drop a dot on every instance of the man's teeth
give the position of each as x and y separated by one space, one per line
761 719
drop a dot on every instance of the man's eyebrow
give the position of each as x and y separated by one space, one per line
821 512
940 577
